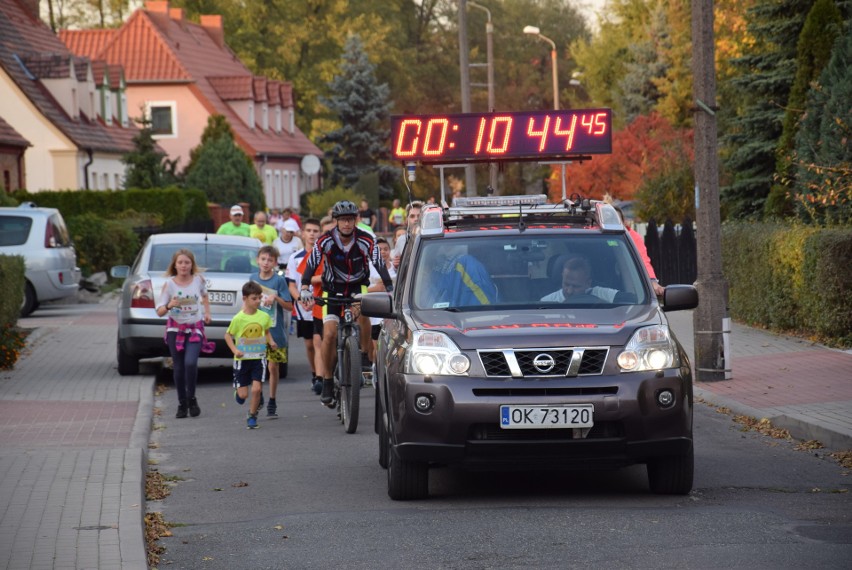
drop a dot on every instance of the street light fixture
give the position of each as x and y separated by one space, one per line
534 31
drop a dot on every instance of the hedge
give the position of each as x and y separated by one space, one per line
101 243
790 278
174 205
12 285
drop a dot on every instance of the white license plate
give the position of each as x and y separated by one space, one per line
221 297
547 417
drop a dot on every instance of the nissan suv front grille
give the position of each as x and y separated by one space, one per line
544 362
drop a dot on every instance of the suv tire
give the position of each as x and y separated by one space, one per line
407 480
384 445
672 475
128 365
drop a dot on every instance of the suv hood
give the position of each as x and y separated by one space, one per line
520 329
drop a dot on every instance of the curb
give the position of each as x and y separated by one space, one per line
798 427
134 552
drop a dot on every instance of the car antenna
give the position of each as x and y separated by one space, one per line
521 224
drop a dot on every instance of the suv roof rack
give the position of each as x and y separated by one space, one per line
525 210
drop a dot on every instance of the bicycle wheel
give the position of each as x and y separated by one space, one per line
350 384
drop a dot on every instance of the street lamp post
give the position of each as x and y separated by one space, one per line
489 53
534 31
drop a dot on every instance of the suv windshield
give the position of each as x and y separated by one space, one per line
523 271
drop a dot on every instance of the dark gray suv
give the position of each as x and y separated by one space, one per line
522 334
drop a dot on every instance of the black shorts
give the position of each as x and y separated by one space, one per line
318 326
375 331
248 371
305 329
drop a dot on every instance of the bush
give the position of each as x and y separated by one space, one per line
12 285
102 243
12 342
790 278
319 203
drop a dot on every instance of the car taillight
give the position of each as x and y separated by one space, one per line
143 295
62 278
49 238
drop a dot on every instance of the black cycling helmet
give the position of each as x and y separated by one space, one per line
344 208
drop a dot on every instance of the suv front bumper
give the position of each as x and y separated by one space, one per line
463 427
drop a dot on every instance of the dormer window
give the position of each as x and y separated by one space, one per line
292 121
122 112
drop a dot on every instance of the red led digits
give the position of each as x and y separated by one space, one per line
400 139
507 132
542 134
484 137
437 149
557 130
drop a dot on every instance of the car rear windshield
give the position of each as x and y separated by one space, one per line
526 272
211 258
14 230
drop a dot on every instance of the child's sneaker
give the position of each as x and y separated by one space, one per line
272 409
237 398
251 422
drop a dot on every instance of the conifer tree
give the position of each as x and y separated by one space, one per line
761 90
147 165
225 173
361 106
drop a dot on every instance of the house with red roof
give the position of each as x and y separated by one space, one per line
179 73
67 108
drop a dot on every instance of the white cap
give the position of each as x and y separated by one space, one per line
290 225
236 209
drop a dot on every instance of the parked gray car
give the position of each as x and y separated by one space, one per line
226 262
39 236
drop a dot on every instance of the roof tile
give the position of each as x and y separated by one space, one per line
9 136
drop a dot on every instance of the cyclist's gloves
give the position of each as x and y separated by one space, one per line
305 296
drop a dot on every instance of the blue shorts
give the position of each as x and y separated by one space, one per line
248 371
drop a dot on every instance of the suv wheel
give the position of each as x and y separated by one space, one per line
384 446
672 475
407 480
30 302
128 365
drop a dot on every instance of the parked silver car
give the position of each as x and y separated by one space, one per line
39 236
226 261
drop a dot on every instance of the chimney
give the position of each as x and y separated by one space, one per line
159 6
212 24
176 14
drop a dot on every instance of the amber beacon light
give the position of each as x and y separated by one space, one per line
486 137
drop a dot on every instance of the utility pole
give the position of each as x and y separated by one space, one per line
711 360
464 67
489 58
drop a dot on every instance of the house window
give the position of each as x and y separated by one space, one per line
265 117
163 118
122 112
107 111
106 181
251 116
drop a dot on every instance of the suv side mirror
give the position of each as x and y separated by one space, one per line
680 297
378 304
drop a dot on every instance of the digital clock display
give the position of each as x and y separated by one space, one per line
486 137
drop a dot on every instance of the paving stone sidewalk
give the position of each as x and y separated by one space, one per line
798 385
73 441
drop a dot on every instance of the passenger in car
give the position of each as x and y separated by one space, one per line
460 280
577 280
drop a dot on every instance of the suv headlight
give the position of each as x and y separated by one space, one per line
434 353
650 348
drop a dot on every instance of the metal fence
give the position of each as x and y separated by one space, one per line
673 254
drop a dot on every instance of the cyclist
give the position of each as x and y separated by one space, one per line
347 252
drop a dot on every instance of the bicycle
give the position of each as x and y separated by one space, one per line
347 372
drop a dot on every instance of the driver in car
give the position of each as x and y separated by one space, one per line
577 280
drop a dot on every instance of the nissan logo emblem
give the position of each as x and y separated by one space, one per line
544 363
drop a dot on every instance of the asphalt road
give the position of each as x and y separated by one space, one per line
300 493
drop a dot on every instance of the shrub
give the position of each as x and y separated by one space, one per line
319 203
102 243
12 342
12 285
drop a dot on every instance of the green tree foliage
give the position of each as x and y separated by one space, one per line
822 27
761 86
824 152
217 128
319 203
361 104
224 172
147 165
638 87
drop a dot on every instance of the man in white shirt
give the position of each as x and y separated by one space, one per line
577 280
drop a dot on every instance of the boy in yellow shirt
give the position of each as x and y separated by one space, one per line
248 336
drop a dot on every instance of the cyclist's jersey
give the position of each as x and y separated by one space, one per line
346 269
